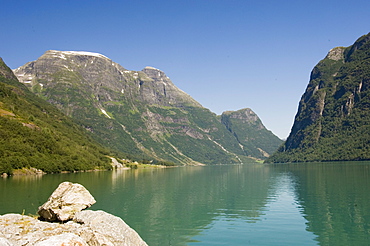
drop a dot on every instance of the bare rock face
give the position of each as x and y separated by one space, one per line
336 54
65 201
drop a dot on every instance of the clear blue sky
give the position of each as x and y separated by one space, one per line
227 54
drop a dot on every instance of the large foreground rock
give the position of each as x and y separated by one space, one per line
84 228
65 201
88 228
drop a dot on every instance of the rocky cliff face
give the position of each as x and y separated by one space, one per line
332 122
138 112
252 135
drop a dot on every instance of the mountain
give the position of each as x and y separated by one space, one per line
333 118
138 112
252 135
36 134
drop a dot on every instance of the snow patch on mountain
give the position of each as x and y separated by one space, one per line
62 54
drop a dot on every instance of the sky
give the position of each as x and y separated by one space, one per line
226 54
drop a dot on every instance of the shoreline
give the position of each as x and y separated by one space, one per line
37 172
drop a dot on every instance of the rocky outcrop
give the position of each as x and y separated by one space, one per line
117 165
85 228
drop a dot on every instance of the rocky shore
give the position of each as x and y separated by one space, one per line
63 223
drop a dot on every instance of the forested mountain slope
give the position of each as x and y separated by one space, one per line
35 134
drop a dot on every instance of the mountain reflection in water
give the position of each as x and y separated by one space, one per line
285 204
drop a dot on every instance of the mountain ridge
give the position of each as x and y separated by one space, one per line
138 112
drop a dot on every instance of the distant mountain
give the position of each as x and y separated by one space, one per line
252 135
138 112
333 119
36 134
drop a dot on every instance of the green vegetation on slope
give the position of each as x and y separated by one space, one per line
203 137
248 129
333 119
36 134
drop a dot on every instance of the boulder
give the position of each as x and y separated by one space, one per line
65 201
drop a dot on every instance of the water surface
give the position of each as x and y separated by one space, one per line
285 204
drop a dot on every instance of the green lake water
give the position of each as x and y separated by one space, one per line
285 204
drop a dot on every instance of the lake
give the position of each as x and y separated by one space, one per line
279 204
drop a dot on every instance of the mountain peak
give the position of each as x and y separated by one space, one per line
245 115
251 134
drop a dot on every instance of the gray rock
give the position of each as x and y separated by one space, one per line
116 165
108 229
65 201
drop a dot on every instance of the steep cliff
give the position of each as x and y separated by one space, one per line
137 112
36 134
252 135
333 118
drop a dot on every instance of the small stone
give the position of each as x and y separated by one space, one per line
65 201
